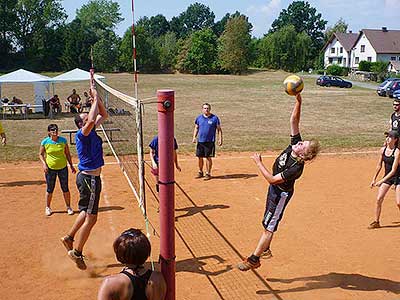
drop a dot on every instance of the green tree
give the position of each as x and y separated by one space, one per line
304 18
168 49
219 26
234 50
155 25
201 57
380 68
33 18
8 18
340 26
196 17
105 52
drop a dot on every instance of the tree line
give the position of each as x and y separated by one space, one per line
34 34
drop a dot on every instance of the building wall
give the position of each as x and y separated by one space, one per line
388 57
363 50
339 56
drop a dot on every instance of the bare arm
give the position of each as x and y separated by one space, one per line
3 139
295 117
69 159
219 131
393 170
378 167
111 289
156 287
272 179
153 162
42 158
195 132
176 161
103 115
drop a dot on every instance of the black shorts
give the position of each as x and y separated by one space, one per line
51 178
275 206
205 149
89 188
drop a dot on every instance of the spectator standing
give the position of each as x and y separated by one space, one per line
205 128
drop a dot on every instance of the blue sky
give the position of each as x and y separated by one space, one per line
359 14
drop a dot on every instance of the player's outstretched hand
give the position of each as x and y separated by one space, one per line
257 158
298 97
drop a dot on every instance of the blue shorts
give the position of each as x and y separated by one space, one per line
89 188
51 177
275 206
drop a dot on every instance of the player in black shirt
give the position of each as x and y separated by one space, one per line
395 117
287 168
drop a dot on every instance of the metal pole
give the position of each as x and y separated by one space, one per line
165 107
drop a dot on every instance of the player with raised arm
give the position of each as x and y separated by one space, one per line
287 168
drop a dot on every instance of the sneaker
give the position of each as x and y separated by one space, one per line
200 174
247 264
68 242
266 254
70 211
78 259
374 225
207 177
48 211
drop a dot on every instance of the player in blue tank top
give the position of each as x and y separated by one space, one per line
90 153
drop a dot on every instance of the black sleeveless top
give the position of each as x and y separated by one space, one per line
388 160
395 122
139 283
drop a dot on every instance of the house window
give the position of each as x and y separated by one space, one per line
357 60
341 49
339 61
369 58
393 58
344 61
330 60
332 50
362 48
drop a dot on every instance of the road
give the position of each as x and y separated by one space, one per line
366 85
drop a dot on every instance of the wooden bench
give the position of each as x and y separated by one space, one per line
107 130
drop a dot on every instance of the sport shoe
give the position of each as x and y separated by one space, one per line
207 177
68 242
200 174
266 254
48 211
247 264
78 259
70 211
374 225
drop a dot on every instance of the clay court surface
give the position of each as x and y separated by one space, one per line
323 249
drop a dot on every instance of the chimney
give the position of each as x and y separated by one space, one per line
384 29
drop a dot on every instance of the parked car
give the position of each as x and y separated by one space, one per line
396 94
393 86
327 80
381 89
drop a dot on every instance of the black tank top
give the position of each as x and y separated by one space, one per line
388 160
395 122
139 283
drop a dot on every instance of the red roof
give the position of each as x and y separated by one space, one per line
387 41
347 40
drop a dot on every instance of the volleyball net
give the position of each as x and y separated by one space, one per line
123 132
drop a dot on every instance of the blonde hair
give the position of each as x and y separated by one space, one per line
312 151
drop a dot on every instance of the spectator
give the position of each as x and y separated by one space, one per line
74 102
54 155
55 104
134 282
17 101
88 100
3 135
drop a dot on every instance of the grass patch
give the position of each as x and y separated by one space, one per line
253 108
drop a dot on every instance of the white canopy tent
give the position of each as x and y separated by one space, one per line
75 75
41 84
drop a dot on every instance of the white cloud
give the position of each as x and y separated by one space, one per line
267 9
392 3
263 15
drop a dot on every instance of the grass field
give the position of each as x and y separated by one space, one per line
253 109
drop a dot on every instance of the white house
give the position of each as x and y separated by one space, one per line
394 66
376 45
337 50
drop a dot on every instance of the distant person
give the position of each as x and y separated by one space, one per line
154 158
395 116
74 101
389 158
132 248
55 104
88 100
54 155
205 128
287 168
3 135
89 148
16 101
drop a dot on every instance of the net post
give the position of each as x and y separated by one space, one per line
165 107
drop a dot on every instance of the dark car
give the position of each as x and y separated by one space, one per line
396 94
392 87
327 80
381 89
